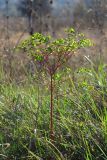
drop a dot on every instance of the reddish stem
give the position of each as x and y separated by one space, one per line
51 111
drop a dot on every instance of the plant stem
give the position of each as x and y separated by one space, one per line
51 110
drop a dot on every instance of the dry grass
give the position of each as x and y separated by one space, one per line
18 31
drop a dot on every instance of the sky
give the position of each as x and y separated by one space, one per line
57 5
55 2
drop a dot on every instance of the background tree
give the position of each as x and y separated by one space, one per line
99 10
91 11
38 6
35 10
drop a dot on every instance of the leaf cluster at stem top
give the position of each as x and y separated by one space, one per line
48 50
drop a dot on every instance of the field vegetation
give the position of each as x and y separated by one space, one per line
79 116
53 82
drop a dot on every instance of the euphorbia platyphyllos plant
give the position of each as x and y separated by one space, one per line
50 54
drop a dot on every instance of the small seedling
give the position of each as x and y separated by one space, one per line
51 54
